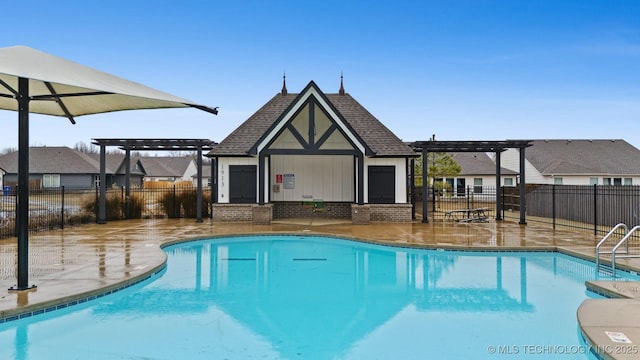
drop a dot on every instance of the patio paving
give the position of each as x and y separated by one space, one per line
87 261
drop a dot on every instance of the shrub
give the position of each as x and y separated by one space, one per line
189 201
170 204
113 206
182 203
136 206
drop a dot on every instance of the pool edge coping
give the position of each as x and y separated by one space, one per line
74 299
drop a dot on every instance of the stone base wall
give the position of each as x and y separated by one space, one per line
391 212
232 212
297 209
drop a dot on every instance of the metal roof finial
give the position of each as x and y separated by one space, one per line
341 91
284 83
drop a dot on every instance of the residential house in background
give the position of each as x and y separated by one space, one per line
116 170
53 167
206 176
578 162
478 174
169 168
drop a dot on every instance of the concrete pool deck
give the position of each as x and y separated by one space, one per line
80 263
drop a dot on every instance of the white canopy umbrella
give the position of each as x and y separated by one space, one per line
34 81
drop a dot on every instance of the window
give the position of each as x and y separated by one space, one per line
613 181
50 180
557 181
628 181
508 182
593 181
477 185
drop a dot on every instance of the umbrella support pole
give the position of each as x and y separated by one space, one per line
22 211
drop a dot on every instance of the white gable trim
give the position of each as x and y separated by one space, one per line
285 119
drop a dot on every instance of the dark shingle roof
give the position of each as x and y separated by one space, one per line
53 160
370 130
478 163
114 163
161 166
588 157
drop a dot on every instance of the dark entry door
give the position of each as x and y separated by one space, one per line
382 184
242 184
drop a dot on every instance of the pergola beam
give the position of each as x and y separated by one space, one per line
496 147
127 145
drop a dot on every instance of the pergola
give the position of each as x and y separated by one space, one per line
148 145
496 147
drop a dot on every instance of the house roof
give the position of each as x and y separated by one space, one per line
584 157
65 160
375 136
478 163
53 160
165 166
206 172
114 163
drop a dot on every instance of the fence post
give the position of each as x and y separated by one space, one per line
175 207
468 196
433 198
62 209
553 205
15 207
595 209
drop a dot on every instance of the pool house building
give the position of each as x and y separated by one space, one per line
311 154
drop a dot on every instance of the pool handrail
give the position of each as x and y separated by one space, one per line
625 240
601 242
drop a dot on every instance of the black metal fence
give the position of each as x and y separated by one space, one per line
56 208
442 203
595 208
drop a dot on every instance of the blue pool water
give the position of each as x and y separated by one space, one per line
293 297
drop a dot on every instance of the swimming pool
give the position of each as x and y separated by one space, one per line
295 297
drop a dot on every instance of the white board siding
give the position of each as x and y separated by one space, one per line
192 170
510 159
223 174
400 179
327 178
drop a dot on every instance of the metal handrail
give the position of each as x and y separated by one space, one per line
601 242
615 248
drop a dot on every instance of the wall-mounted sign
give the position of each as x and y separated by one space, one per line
289 181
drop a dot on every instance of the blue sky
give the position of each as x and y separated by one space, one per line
463 70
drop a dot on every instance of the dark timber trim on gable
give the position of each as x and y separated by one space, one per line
312 146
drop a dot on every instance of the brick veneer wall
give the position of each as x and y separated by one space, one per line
391 212
296 209
285 210
262 214
360 214
232 212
